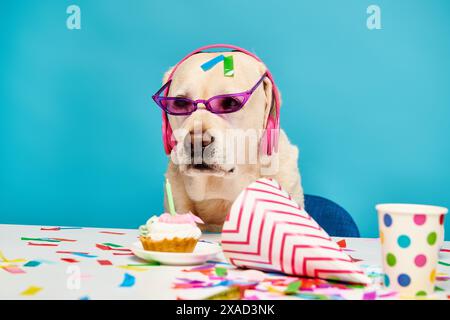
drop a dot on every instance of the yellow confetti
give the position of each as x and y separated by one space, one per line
4 259
31 291
133 268
273 289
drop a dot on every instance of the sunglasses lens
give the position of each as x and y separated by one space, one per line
178 106
226 104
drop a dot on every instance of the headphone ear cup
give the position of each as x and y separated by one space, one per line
267 143
167 134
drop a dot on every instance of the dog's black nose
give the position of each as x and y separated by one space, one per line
197 144
193 141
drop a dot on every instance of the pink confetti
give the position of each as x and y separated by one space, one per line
387 295
70 260
42 244
110 232
13 269
370 295
71 252
102 247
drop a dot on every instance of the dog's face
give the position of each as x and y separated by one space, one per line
203 138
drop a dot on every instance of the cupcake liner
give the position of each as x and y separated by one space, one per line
169 245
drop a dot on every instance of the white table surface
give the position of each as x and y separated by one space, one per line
55 276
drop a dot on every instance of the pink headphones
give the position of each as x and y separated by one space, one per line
269 141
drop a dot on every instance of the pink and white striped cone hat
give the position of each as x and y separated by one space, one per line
267 230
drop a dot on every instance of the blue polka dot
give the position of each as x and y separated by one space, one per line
404 280
387 220
387 282
404 241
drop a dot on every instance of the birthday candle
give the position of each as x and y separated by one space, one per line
170 198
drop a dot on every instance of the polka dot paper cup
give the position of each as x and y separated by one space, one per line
410 238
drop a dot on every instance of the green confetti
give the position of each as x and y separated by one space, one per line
444 263
152 263
312 296
112 245
436 288
39 239
293 287
228 66
233 293
355 286
221 272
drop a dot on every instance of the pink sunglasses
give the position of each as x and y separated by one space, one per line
224 103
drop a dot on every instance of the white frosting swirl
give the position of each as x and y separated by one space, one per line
161 230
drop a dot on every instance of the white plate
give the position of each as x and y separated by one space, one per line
203 251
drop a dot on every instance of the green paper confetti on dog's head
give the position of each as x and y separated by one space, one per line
228 66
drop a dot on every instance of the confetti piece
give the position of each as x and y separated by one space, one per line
42 244
70 260
4 259
233 293
122 254
444 263
50 229
342 243
121 249
128 280
32 263
151 263
436 288
39 239
293 287
134 268
445 250
104 262
112 245
111 232
85 255
13 269
62 239
228 66
46 261
388 295
31 291
211 63
203 267
102 247
85 298
59 228
369 295
355 259
71 252
221 272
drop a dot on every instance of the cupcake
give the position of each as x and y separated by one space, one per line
171 233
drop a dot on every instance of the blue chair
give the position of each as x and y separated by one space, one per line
331 217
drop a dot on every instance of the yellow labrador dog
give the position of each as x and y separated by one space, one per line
206 181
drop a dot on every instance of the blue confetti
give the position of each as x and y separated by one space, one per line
128 280
211 63
85 255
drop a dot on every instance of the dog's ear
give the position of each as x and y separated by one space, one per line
167 75
270 100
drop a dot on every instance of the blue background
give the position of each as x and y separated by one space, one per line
80 139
